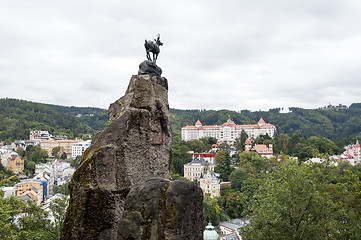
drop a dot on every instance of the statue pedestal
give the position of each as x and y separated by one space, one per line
149 67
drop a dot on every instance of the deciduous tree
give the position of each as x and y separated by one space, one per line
235 204
299 202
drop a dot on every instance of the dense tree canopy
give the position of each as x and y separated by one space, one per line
223 164
212 212
21 220
300 202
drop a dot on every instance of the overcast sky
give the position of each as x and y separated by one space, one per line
233 55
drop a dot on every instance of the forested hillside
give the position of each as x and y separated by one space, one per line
19 117
94 117
332 122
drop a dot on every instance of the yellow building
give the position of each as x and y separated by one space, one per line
24 186
210 184
65 145
30 189
15 163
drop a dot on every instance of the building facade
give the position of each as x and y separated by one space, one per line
39 135
194 170
79 148
62 172
8 191
45 171
35 189
23 144
228 132
208 157
65 145
210 184
15 163
6 149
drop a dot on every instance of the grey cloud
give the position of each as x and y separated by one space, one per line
234 54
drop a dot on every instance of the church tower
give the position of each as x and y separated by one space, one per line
248 145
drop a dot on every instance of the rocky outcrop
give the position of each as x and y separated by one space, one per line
161 209
133 148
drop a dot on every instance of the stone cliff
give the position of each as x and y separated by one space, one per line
122 189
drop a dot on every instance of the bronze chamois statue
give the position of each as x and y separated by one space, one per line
153 47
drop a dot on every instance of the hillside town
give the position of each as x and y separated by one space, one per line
56 171
201 169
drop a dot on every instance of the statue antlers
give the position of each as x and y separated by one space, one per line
153 47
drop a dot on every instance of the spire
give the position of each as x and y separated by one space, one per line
229 122
198 123
261 122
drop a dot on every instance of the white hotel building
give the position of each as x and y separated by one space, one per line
228 132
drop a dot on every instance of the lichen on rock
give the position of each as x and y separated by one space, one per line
162 209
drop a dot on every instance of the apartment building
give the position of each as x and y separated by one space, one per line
34 189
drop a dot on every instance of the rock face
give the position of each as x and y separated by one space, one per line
161 209
111 187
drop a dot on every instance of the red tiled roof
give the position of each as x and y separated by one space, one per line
211 126
231 124
56 162
189 127
261 121
225 183
262 149
31 195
